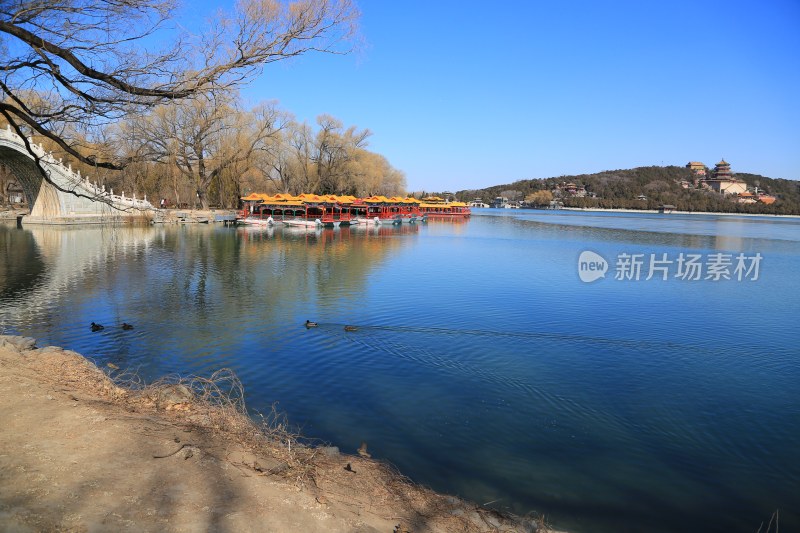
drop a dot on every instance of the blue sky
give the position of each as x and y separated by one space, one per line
464 95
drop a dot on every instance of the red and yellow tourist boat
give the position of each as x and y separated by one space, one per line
435 207
311 210
394 210
307 210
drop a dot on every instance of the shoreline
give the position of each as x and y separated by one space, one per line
80 450
656 212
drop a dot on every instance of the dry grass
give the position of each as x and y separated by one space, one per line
216 404
70 368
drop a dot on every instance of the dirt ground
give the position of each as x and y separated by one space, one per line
79 453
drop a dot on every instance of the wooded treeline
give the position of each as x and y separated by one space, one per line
127 95
210 152
619 189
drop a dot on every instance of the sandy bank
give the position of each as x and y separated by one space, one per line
80 453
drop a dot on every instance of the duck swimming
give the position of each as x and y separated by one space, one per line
310 324
96 327
126 326
351 328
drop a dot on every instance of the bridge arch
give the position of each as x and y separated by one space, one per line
84 202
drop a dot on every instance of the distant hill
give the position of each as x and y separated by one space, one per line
654 186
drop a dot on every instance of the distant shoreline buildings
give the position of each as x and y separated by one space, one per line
723 181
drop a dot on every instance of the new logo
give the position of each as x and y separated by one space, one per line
591 266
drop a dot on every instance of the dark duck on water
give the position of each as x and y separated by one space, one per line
96 327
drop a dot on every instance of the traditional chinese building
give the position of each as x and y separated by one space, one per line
570 189
697 167
746 197
766 199
723 181
722 170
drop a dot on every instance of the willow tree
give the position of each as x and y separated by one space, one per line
206 139
91 62
277 163
333 160
334 149
287 163
369 173
542 197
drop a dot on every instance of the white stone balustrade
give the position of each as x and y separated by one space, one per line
86 199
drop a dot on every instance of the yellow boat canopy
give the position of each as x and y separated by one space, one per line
285 199
442 205
377 200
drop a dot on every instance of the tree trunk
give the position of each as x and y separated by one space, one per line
201 197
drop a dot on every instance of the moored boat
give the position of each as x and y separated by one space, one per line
439 208
331 211
394 220
392 210
415 219
257 221
302 223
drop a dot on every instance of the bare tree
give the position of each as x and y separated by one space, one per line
368 173
207 138
278 159
334 148
542 197
302 168
87 63
331 161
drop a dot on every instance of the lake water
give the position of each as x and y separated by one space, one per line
482 365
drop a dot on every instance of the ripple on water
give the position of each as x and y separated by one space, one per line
480 365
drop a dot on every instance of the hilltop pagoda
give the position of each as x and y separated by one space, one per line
722 170
723 181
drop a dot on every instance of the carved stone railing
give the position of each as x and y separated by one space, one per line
73 198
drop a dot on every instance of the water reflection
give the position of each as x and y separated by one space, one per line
199 290
481 365
21 266
45 264
723 233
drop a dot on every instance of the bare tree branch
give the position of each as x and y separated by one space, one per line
88 63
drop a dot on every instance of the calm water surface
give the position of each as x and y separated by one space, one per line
482 365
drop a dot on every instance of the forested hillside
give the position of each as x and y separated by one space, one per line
647 188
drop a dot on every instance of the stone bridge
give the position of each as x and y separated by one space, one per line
84 202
